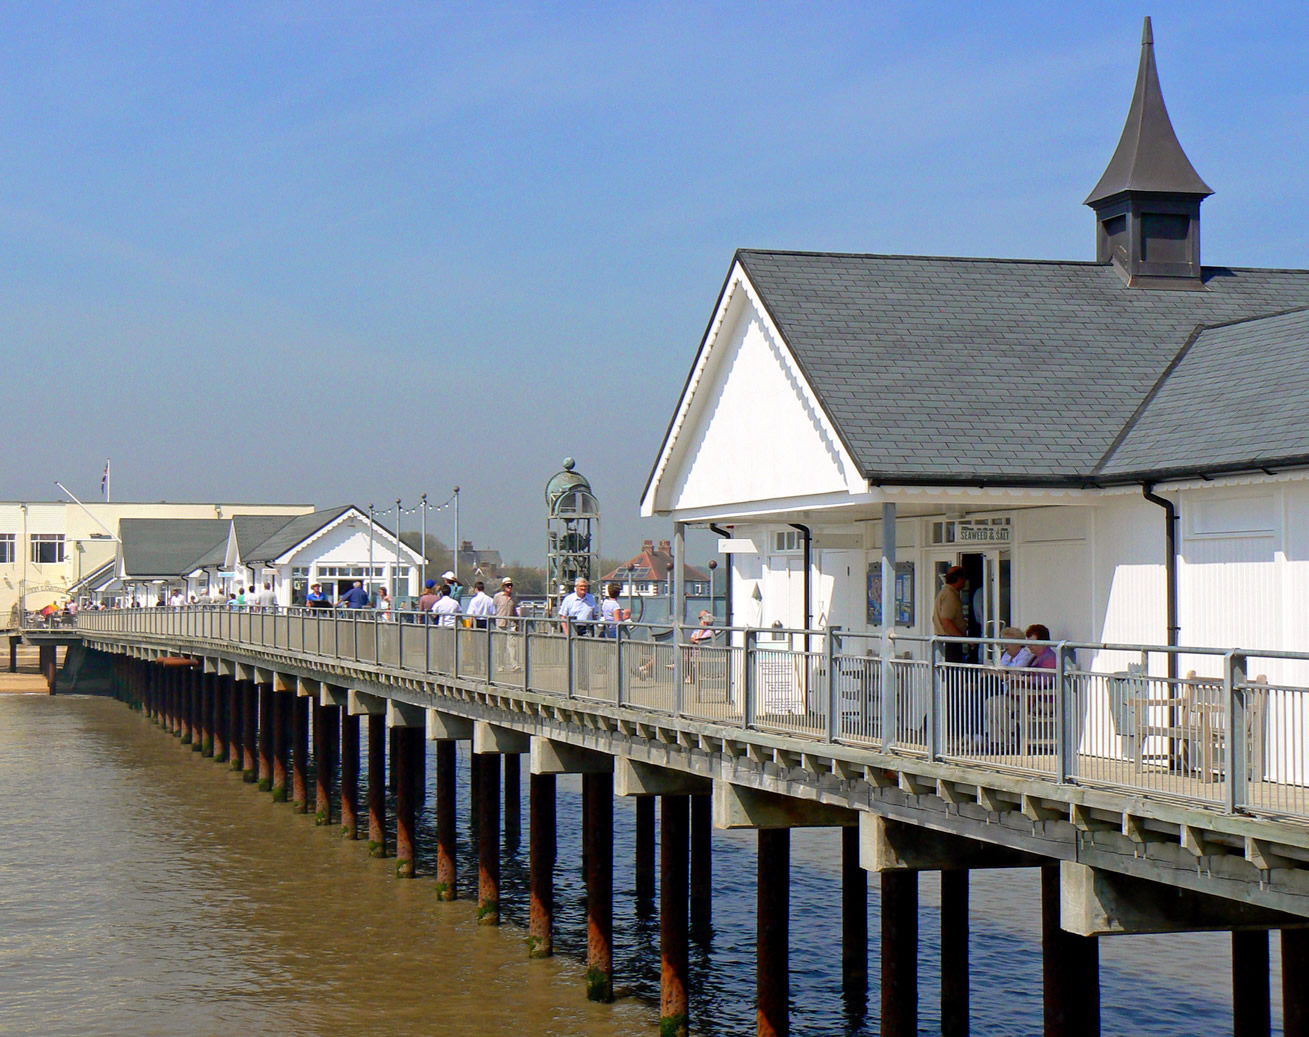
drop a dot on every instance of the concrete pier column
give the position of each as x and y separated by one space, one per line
46 657
327 733
14 642
488 838
1070 969
598 840
1251 1012
268 710
1295 994
300 753
446 819
773 924
674 830
899 953
249 730
207 725
541 851
513 820
349 775
220 718
954 953
281 738
231 694
377 739
854 920
407 744
702 861
645 852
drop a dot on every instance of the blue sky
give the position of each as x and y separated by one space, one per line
348 252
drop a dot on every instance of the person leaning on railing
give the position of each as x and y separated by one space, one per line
579 607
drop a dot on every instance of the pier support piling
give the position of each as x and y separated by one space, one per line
645 852
674 1014
513 820
1251 1011
702 861
281 736
327 736
899 953
541 851
235 706
47 660
14 642
1295 994
773 923
221 719
854 922
488 838
249 730
377 739
268 709
300 753
403 762
349 775
1070 969
954 953
207 705
598 841
446 819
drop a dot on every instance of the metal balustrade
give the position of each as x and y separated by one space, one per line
1116 716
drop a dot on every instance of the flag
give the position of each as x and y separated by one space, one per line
104 482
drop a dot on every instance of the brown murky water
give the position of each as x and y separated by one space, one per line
145 890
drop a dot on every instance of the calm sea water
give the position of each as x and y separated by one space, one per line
145 890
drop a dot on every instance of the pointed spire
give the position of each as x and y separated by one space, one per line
1149 157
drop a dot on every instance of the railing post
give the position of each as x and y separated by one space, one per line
490 647
1234 684
935 656
1067 713
887 672
454 635
568 646
377 638
833 686
618 663
524 625
748 681
427 643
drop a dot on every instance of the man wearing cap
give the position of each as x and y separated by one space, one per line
428 598
506 607
948 613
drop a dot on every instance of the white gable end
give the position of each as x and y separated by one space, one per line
752 429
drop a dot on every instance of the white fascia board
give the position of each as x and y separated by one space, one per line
992 496
737 290
777 509
382 535
1215 482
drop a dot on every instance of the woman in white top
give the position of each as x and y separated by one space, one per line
383 605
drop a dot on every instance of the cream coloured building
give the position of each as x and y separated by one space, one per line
48 548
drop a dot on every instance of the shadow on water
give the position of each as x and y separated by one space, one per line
142 891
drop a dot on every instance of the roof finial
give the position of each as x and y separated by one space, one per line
1147 34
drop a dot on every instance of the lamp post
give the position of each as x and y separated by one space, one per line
368 583
395 572
455 559
422 548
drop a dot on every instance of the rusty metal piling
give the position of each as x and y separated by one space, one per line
541 853
674 1013
446 820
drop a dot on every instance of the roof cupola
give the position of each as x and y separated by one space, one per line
1147 203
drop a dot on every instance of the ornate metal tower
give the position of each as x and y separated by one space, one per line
572 533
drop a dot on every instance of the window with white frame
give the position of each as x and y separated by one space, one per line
786 540
47 548
7 548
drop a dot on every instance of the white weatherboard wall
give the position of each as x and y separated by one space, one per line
1052 571
753 430
347 544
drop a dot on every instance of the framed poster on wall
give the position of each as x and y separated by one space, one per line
904 594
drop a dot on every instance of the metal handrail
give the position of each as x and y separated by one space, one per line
1236 745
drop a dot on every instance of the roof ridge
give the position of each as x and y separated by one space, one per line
892 255
1254 319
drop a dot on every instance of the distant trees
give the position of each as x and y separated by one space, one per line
528 579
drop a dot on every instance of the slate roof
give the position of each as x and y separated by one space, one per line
941 370
288 535
154 548
1217 408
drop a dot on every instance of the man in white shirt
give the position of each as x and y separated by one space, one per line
480 605
580 607
265 599
446 607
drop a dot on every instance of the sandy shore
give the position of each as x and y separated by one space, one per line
28 679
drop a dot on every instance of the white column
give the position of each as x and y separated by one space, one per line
888 624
